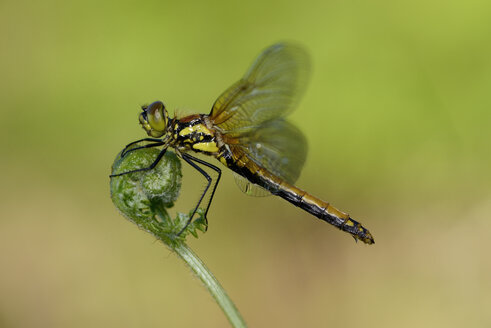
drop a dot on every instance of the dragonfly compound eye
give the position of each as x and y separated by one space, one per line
154 119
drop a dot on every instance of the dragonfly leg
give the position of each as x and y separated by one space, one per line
125 150
150 145
190 160
153 165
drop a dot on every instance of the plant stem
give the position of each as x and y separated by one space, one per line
210 282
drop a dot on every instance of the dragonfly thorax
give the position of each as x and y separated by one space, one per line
195 133
154 119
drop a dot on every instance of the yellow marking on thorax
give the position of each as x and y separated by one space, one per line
209 147
223 160
195 129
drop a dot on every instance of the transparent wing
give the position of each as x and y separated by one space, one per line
250 188
277 146
270 89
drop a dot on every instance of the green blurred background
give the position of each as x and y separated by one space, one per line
397 115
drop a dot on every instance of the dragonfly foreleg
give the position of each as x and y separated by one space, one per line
126 150
151 145
153 165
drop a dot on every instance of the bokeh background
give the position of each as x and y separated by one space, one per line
397 115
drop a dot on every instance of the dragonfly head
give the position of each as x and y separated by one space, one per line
154 119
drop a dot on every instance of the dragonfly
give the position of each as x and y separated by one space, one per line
248 133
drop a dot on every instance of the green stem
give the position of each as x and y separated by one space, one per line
210 282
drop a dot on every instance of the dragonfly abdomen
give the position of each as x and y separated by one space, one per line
314 206
252 171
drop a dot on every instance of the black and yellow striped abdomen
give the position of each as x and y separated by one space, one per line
323 211
298 197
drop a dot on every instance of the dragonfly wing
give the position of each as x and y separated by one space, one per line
277 146
250 188
270 89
